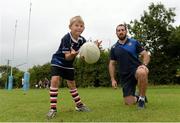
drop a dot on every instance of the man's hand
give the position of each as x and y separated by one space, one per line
114 84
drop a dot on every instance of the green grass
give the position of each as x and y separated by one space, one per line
106 105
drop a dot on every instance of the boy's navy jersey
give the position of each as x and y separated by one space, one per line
126 56
67 42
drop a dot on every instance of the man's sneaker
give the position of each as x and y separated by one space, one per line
82 108
51 113
141 104
146 100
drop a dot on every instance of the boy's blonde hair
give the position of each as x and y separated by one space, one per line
76 19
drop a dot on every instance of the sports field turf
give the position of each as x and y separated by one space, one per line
106 105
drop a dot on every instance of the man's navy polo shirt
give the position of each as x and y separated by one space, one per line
126 56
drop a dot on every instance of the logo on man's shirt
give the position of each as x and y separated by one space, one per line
129 44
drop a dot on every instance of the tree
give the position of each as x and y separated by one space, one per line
94 75
38 73
17 75
174 44
174 53
153 31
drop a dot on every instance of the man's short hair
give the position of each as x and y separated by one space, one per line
124 25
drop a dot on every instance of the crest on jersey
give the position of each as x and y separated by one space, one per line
129 43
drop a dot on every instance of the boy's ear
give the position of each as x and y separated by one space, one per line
69 26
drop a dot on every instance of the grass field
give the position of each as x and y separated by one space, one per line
106 105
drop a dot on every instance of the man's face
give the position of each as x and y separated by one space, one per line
121 32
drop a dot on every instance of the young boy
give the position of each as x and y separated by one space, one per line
62 65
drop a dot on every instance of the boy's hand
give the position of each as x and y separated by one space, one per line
71 54
98 43
74 52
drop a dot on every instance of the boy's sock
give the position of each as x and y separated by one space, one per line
53 98
76 97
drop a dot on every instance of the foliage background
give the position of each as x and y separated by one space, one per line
154 30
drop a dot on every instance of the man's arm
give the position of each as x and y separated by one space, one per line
145 60
145 57
112 66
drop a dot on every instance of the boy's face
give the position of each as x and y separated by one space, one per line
77 28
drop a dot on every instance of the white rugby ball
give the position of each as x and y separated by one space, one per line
90 52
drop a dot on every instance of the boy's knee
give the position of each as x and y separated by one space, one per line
54 81
71 84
